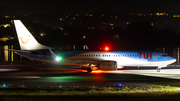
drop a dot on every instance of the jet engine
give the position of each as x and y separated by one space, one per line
108 65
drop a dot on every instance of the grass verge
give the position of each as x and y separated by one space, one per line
76 93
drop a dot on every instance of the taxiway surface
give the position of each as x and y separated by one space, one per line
50 75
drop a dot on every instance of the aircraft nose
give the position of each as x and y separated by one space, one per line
172 58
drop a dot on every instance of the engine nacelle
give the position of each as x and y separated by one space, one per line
108 65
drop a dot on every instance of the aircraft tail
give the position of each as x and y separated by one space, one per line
26 40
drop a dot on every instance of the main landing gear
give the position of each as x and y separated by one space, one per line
90 68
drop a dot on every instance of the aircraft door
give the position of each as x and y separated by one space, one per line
155 56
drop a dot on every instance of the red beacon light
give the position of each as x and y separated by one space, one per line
106 48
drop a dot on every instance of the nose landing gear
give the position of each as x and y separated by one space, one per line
158 70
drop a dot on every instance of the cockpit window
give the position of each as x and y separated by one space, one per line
165 55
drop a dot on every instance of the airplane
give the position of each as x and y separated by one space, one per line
103 60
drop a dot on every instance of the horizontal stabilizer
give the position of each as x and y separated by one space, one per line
18 51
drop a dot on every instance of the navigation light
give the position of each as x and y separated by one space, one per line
58 58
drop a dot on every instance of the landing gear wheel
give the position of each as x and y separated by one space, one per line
89 70
158 70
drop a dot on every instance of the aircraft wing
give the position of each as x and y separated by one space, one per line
18 51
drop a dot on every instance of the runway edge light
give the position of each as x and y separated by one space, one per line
4 85
120 85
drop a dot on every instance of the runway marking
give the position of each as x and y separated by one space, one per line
165 73
7 70
21 77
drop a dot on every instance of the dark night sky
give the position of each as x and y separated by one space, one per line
55 6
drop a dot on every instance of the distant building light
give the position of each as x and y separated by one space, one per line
130 14
84 37
77 15
89 28
74 18
74 46
111 24
5 25
176 16
60 19
90 15
157 14
103 15
4 39
104 23
7 16
152 24
61 28
85 47
43 34
112 27
138 14
92 27
86 14
70 23
161 14
127 23
116 17
66 34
